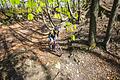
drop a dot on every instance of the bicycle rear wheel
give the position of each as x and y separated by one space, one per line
58 50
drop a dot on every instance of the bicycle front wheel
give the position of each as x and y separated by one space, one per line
58 49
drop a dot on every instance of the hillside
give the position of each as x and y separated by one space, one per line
30 59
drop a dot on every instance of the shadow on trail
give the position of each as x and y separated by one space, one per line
7 68
45 69
70 46
112 62
9 72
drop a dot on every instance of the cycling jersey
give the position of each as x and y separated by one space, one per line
51 37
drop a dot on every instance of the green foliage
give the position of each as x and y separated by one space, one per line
29 3
68 24
75 26
68 14
69 27
42 4
68 0
58 9
9 14
76 15
38 6
13 2
29 10
50 1
17 1
34 5
39 9
73 38
57 16
19 11
30 16
65 0
3 2
65 11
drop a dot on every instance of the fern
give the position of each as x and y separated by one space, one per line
75 26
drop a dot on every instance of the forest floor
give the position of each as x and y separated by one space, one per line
29 57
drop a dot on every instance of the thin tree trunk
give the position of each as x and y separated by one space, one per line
73 6
45 22
69 9
58 2
78 12
50 18
48 14
114 10
93 20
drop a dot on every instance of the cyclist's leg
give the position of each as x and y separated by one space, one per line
50 45
53 45
50 42
55 39
58 33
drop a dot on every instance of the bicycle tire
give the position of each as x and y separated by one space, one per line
58 50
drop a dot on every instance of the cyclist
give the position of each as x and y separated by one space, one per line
53 36
51 40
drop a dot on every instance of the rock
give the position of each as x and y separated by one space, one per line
57 65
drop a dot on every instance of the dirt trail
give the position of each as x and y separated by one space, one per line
32 60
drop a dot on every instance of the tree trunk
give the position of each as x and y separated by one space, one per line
93 19
111 20
78 19
69 9
48 14
73 5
